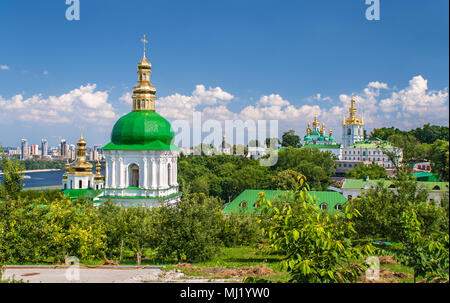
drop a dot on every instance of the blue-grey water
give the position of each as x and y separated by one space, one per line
41 179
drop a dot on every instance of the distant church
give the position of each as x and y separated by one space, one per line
355 149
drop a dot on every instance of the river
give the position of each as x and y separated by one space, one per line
42 179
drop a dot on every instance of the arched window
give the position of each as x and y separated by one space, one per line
65 185
243 204
80 184
436 188
349 131
323 206
133 175
71 184
339 206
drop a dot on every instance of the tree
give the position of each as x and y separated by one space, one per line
429 258
12 177
439 156
317 246
190 231
372 171
289 138
272 142
381 208
286 180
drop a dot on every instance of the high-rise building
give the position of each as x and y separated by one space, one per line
34 149
72 152
44 148
24 150
64 149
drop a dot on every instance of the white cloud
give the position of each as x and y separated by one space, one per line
81 105
126 98
181 107
318 97
4 67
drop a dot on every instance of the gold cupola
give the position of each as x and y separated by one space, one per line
81 164
308 130
352 119
322 129
315 122
98 174
144 93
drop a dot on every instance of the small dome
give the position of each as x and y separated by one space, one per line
307 138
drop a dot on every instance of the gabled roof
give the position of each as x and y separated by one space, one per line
250 197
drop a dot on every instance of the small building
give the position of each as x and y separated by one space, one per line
353 188
246 202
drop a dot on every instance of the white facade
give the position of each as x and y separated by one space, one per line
78 182
352 133
141 173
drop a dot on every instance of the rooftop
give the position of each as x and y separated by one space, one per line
245 202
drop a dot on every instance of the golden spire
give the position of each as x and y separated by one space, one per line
331 133
322 129
308 130
352 119
316 122
144 42
144 93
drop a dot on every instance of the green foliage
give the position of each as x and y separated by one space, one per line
316 166
32 232
239 230
318 247
426 134
362 171
381 209
12 178
286 180
190 231
439 157
429 258
290 139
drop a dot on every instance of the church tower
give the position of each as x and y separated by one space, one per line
141 159
352 127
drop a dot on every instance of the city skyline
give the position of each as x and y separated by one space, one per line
261 60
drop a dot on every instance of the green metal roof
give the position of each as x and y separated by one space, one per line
250 197
142 130
424 176
372 143
87 193
360 183
322 146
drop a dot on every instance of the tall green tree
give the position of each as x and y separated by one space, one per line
290 139
439 156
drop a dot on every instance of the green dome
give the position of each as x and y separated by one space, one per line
142 130
331 139
322 138
307 138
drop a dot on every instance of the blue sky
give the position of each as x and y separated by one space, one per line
239 51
